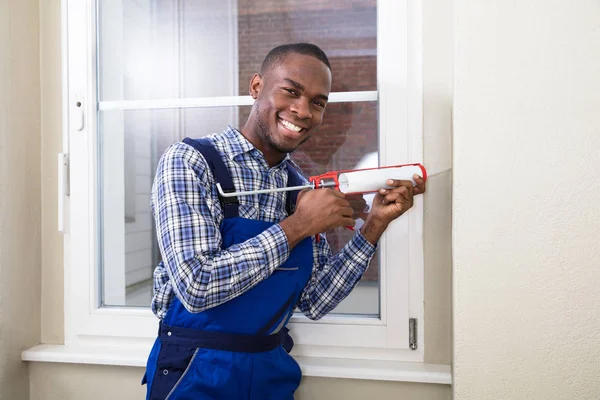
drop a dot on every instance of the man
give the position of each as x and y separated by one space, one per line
234 269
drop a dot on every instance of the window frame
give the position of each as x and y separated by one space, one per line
399 95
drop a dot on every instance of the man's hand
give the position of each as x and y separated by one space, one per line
359 205
318 210
389 204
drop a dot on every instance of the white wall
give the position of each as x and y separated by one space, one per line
51 143
437 147
20 199
527 200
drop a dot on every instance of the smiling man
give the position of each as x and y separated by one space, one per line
234 269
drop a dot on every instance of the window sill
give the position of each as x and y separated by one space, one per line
135 356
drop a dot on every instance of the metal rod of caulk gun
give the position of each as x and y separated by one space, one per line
251 192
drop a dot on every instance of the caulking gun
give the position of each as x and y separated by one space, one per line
356 181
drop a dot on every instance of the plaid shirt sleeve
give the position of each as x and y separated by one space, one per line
202 274
334 276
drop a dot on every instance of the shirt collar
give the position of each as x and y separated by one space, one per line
237 144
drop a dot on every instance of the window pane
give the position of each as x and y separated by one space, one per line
131 143
152 49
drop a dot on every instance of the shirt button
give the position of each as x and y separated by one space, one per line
169 333
165 372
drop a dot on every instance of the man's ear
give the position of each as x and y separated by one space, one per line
256 84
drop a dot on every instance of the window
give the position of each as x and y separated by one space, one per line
143 74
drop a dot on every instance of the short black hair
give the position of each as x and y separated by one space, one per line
279 53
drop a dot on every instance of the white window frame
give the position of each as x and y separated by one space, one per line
399 91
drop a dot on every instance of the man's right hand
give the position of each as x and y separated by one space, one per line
317 211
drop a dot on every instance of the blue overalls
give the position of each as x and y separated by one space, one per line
239 349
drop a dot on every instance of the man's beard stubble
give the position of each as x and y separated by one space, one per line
268 137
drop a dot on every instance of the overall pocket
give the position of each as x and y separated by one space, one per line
174 360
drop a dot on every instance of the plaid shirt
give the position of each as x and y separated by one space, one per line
188 214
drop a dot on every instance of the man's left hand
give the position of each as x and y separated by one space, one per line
390 204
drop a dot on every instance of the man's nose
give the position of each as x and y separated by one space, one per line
302 108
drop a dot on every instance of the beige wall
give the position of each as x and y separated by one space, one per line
20 180
527 200
437 143
65 381
51 139
98 382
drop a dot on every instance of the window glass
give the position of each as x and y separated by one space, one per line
152 50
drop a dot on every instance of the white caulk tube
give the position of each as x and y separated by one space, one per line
371 180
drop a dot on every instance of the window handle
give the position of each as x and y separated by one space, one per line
79 120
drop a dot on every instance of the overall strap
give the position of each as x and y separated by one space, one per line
221 173
294 179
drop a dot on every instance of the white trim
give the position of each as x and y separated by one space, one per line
135 356
392 75
221 101
377 370
112 155
415 151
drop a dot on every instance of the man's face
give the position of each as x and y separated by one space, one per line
290 102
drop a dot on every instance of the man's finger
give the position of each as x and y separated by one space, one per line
302 193
347 212
399 183
420 188
394 197
397 194
349 222
336 192
403 191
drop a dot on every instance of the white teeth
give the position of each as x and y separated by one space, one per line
290 126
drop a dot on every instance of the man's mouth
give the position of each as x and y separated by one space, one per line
288 125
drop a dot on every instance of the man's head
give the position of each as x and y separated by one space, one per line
279 53
290 92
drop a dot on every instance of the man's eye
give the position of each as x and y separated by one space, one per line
292 91
320 104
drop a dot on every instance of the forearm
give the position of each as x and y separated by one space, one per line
205 278
295 231
335 276
372 230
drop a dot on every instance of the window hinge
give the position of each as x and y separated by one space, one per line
412 333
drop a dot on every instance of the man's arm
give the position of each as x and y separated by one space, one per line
202 274
335 276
